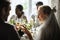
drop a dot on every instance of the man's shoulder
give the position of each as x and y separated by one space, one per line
6 25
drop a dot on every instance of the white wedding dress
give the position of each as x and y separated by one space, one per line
39 29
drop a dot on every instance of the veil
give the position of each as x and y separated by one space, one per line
50 22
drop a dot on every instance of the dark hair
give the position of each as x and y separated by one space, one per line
4 3
20 7
39 3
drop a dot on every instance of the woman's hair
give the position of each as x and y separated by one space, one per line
20 7
47 10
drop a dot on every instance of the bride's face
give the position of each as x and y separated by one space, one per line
41 15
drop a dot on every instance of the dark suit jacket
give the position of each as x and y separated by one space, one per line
20 33
51 31
7 31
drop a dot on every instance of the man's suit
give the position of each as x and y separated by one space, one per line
7 31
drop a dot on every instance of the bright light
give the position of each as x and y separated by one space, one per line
26 5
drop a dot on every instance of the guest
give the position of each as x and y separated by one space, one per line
19 18
39 3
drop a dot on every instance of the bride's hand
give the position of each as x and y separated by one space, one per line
24 29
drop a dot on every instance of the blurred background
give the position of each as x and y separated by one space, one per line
30 7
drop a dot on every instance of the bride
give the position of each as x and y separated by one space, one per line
49 29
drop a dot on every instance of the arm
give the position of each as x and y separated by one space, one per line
27 32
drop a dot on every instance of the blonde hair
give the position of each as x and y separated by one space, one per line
46 9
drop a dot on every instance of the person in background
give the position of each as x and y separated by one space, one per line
19 18
7 31
39 3
49 28
20 13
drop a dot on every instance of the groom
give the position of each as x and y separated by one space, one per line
7 31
